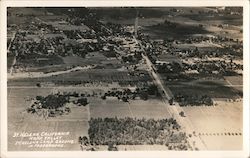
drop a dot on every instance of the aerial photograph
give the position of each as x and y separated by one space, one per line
125 78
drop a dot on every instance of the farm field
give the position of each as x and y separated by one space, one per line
111 107
234 80
93 58
212 88
86 76
218 126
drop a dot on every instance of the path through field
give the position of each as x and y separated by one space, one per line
40 74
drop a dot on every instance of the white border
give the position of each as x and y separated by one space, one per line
116 3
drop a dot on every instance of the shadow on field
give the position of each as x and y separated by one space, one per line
175 30
212 89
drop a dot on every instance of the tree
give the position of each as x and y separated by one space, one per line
125 99
38 84
82 101
111 147
53 101
152 89
182 114
39 97
104 97
171 101
144 95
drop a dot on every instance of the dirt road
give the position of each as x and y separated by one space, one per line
195 142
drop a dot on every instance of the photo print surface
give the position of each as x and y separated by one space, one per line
124 78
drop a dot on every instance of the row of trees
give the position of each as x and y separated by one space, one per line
127 94
193 100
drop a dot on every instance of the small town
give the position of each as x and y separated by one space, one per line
126 78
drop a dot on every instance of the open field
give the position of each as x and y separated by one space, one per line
92 58
220 127
76 123
234 80
111 107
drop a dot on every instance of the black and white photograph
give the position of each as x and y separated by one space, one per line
127 78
